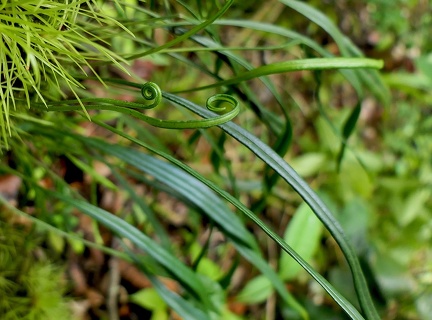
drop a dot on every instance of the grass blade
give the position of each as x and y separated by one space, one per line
345 305
171 264
199 194
278 164
186 35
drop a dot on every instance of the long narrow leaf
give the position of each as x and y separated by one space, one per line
186 185
345 305
70 236
322 20
346 47
291 177
201 196
278 164
297 65
160 231
181 273
353 76
184 308
186 35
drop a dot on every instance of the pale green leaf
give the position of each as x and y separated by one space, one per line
148 298
303 234
256 290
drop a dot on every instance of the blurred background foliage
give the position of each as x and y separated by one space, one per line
386 205
383 203
379 190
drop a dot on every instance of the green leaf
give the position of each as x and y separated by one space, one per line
199 194
424 64
148 298
186 185
308 164
92 172
296 65
184 308
346 47
354 178
272 159
186 35
322 20
347 130
303 234
228 315
210 269
329 140
171 264
257 290
424 305
160 231
281 167
160 314
275 280
352 76
414 205
355 218
75 239
246 251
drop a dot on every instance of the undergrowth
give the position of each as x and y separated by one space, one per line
116 91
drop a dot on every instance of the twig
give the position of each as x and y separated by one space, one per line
113 286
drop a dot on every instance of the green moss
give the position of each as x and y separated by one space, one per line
31 289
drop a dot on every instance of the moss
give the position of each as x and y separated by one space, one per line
31 289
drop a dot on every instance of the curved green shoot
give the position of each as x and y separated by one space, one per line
220 103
